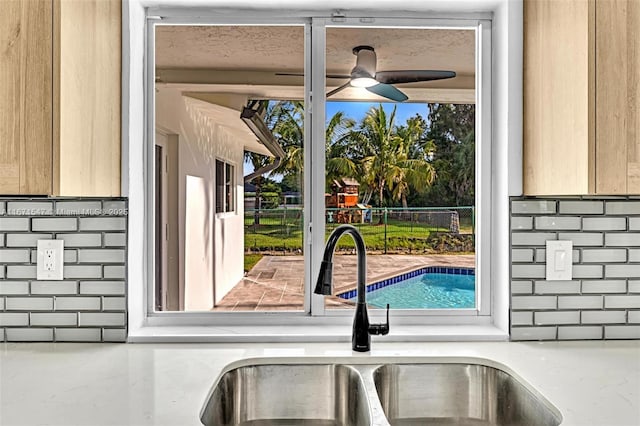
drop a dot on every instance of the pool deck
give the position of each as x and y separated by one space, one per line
277 282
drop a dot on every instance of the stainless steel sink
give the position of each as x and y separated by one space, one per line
464 394
373 391
280 394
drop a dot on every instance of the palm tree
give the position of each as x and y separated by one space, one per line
338 140
391 160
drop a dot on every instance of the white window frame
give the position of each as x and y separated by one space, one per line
144 325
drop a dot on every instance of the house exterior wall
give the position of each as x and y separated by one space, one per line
211 245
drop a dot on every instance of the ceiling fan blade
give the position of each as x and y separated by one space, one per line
388 91
299 74
334 91
412 76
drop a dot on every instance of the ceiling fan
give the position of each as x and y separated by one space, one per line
364 74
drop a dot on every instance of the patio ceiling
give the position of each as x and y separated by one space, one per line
244 60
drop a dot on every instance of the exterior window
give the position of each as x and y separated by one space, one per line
225 187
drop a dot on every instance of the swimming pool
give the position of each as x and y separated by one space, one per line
431 287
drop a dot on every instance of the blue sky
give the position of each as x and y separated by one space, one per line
357 111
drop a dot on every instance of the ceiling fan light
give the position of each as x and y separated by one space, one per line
363 82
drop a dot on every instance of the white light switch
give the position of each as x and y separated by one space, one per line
559 260
50 260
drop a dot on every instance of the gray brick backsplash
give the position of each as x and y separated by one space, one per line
587 271
531 238
114 335
604 286
54 224
557 287
94 231
77 304
102 287
521 287
14 319
604 317
603 299
604 224
81 240
54 287
522 255
580 302
14 287
604 255
54 318
634 255
29 304
622 332
618 302
622 271
115 240
114 208
588 332
582 238
26 240
581 207
557 223
533 333
627 239
78 335
78 208
29 335
101 256
528 271
29 208
521 222
622 207
533 207
21 271
14 224
557 317
14 255
115 304
522 318
82 271
534 302
101 319
114 271
102 224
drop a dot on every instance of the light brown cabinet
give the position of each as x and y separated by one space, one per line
581 97
60 96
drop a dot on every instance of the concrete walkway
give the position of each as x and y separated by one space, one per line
276 282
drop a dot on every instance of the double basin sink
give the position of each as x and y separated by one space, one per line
320 392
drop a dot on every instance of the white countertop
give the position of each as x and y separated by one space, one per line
591 383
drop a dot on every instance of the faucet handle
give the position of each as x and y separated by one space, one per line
380 328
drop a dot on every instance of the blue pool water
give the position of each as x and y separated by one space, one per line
427 290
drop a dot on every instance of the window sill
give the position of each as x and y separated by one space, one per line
305 333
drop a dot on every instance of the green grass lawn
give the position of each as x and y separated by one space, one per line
286 234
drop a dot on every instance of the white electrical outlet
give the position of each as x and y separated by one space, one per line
50 260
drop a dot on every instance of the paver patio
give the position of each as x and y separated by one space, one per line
276 282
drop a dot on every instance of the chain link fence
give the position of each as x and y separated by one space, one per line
385 230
